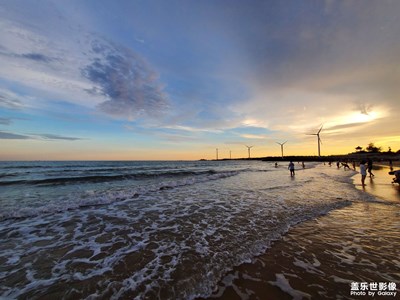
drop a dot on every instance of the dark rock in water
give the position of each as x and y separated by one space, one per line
165 188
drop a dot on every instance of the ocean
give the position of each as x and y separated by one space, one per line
150 229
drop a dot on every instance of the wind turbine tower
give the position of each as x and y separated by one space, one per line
319 141
248 149
282 147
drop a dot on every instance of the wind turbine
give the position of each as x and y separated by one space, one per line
282 146
319 141
248 149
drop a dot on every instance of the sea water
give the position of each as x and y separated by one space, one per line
149 230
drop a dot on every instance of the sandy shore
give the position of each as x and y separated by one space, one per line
327 257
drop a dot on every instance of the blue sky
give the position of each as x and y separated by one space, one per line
178 79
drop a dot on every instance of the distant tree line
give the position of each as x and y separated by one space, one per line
371 148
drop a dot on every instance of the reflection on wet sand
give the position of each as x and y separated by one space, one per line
381 184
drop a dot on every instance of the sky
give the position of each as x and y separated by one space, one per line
176 80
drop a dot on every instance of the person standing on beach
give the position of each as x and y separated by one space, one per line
291 168
363 172
370 167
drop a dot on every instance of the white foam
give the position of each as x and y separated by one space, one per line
341 280
93 198
309 267
285 286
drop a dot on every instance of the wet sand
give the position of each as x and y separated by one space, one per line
322 258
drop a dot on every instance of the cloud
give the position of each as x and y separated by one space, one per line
68 63
44 136
364 108
53 137
10 100
5 121
254 136
192 129
126 80
37 57
324 64
345 126
13 136
43 61
176 138
171 134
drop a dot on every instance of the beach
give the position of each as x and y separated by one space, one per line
330 257
187 230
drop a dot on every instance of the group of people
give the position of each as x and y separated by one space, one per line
365 167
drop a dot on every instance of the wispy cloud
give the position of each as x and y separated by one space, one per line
13 136
44 136
5 121
254 136
192 129
10 100
54 137
170 134
37 57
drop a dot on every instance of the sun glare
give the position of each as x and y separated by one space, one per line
363 118
355 118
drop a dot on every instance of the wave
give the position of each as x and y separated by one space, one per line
8 175
92 198
105 178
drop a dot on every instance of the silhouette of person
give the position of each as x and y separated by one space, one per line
291 168
396 177
369 164
363 172
345 165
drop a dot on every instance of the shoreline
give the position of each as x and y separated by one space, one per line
328 256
